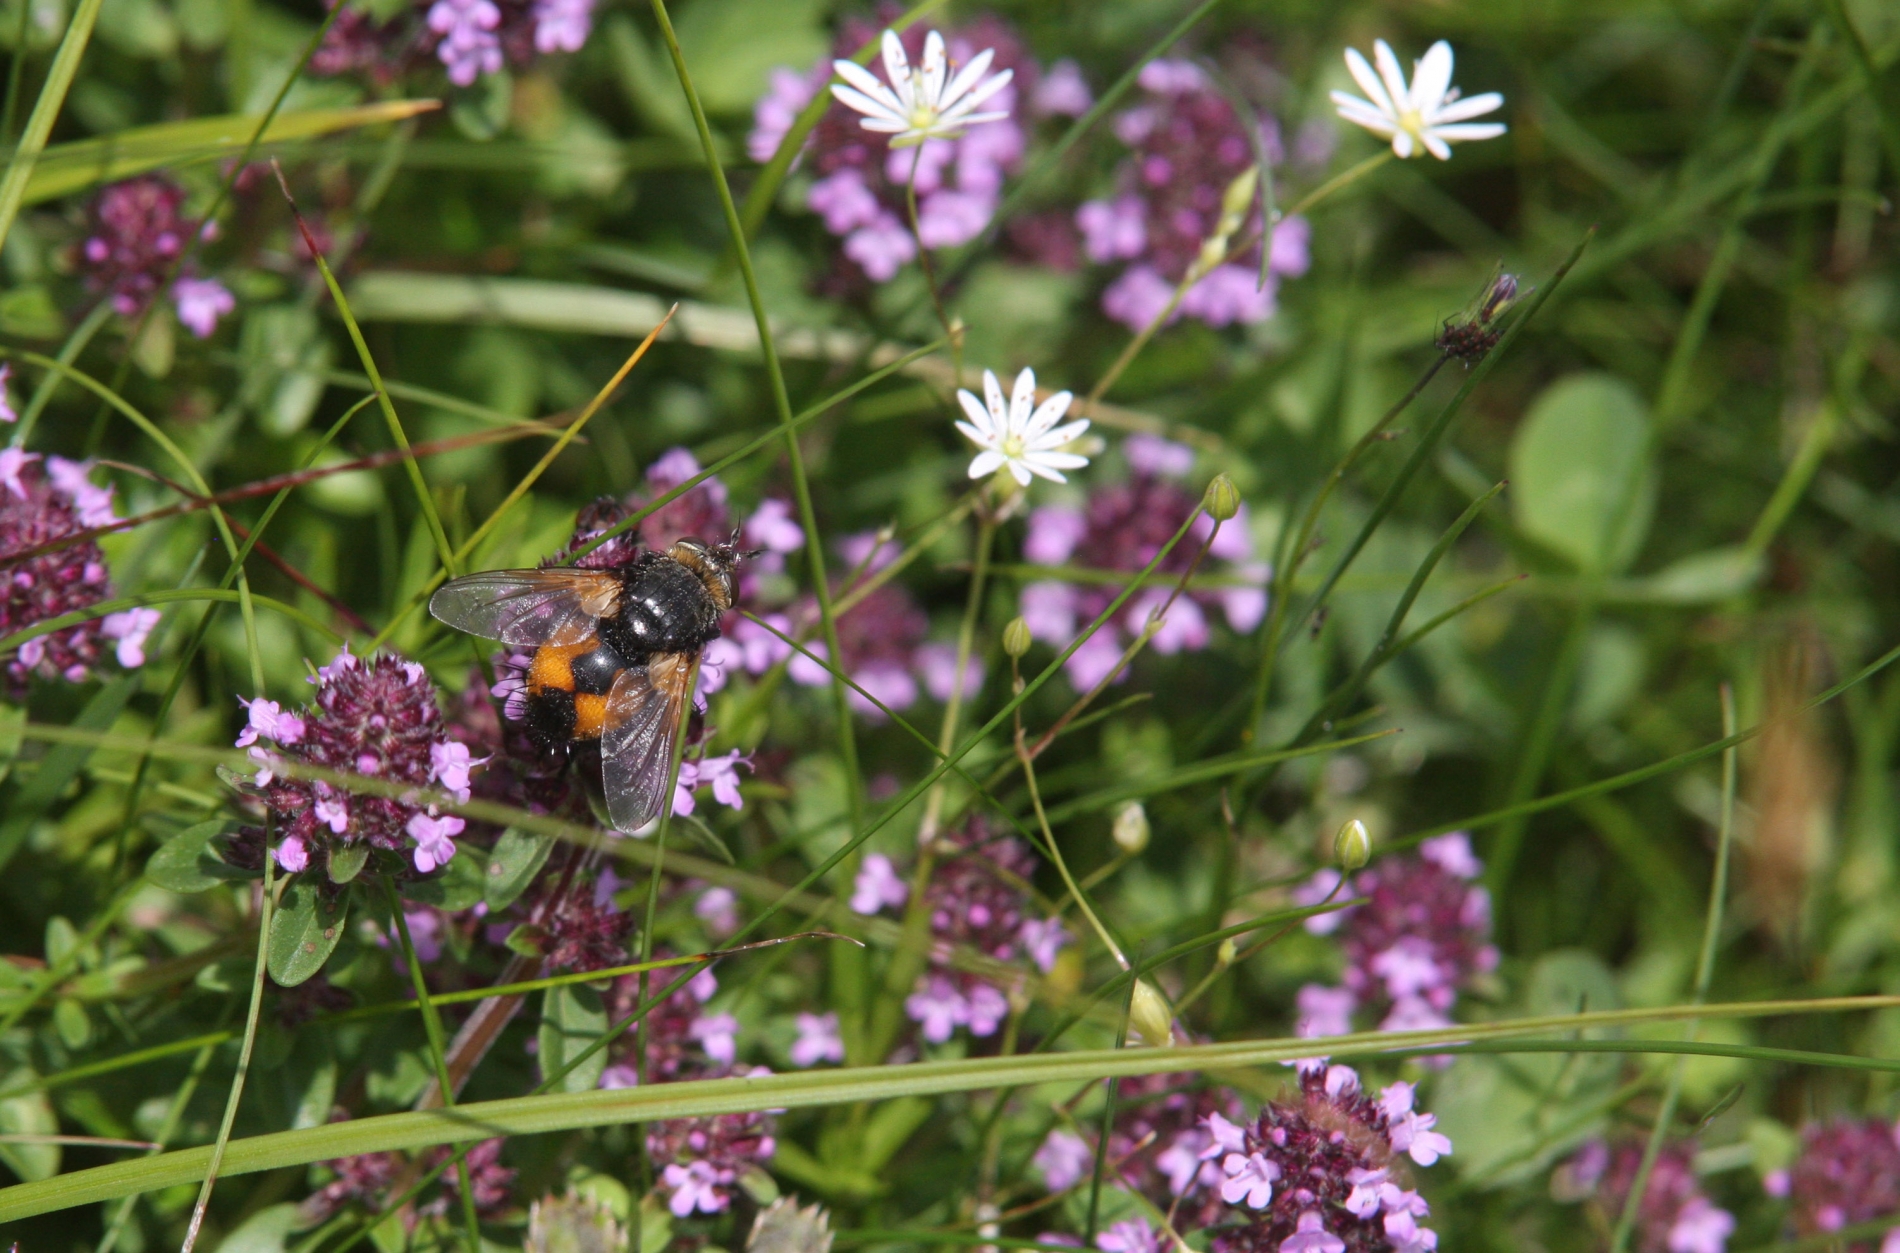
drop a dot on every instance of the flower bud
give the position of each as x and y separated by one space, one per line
1224 955
1238 198
1352 847
1222 499
1150 1016
1131 826
1016 637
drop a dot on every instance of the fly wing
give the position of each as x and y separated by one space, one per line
528 607
636 745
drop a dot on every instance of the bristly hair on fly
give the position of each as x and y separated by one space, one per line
1475 331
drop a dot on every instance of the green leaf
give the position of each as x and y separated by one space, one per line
266 1231
518 856
60 765
572 1018
733 45
458 886
72 1024
31 1114
67 168
189 861
347 862
1715 575
1583 480
305 931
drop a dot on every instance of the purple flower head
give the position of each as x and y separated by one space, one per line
1848 1173
1424 933
677 1045
202 302
1123 527
1674 1216
1187 145
1163 1137
1322 1174
562 25
879 637
699 513
468 46
878 886
720 773
6 395
1132 1235
1064 1160
818 1040
135 237
718 908
490 1183
585 930
377 716
701 1159
43 500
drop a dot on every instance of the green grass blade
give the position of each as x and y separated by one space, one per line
39 124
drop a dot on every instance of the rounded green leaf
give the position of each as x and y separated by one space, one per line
189 861
1583 481
517 858
572 1018
305 931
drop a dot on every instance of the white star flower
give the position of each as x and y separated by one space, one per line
1428 117
922 103
1022 436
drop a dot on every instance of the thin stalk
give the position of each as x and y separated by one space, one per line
432 1028
1111 1093
267 905
1704 973
653 881
16 75
1055 855
423 496
1339 182
174 1115
68 353
781 399
923 263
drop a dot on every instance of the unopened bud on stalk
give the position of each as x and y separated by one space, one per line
1131 829
1150 1016
1237 199
1225 954
1352 847
1222 499
1016 637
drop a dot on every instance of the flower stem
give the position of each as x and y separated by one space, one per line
930 273
432 1028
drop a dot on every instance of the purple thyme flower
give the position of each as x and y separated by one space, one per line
1848 1173
6 395
720 773
201 303
135 237
861 178
1064 1160
718 909
701 1159
1188 144
43 499
978 898
372 716
1123 527
585 930
1161 1138
1674 1216
818 1040
1325 1172
469 46
879 637
1424 933
562 25
878 885
677 1045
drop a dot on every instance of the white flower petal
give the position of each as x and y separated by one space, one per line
1394 77
1019 470
967 77
885 126
1359 113
975 436
1035 466
866 82
1022 402
873 109
1065 460
1431 78
1401 144
1061 435
1048 414
897 69
988 89
993 395
961 121
1368 83
936 66
986 464
1436 145
979 416
1464 132
1460 110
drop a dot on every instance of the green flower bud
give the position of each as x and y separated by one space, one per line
1222 499
1226 953
1352 847
1150 1016
1238 198
1016 637
1131 826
